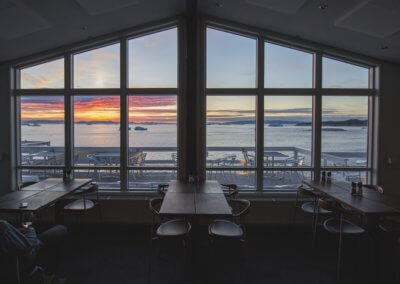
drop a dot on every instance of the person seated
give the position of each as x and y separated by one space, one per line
32 249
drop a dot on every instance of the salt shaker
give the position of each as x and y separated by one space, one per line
329 177
353 188
323 177
360 188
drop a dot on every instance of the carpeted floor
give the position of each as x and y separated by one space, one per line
119 254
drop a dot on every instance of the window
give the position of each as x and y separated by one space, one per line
264 138
153 60
152 140
344 131
287 139
82 128
42 130
49 75
338 74
287 67
231 60
98 68
97 130
231 138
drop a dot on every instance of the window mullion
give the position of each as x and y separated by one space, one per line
124 116
260 114
317 116
68 112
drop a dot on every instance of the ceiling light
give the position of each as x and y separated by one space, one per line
384 47
84 28
219 5
322 6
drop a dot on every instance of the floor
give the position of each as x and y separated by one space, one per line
119 253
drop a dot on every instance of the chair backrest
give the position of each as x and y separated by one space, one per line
155 205
240 207
302 190
162 188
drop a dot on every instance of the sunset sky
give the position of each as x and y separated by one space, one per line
231 63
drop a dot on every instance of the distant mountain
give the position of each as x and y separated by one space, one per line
349 122
41 121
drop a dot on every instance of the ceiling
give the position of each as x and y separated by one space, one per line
368 27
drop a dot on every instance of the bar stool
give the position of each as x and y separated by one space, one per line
82 205
309 207
175 229
231 229
340 226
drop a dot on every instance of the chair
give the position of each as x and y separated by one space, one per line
232 191
175 229
82 205
340 226
223 229
309 207
162 189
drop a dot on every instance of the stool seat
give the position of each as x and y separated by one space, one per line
225 228
173 228
309 207
79 205
332 225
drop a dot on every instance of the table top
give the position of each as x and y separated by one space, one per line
370 203
40 194
205 198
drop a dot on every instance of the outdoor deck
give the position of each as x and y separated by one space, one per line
154 165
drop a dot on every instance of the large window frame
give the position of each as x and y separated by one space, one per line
123 92
316 91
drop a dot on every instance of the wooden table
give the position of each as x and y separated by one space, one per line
40 194
205 199
370 203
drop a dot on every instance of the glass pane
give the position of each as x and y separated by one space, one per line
231 131
148 180
49 75
98 68
344 131
243 179
287 67
153 131
231 60
287 131
351 176
107 179
281 180
97 130
338 74
153 60
31 176
42 130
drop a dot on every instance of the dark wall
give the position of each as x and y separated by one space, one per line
389 127
6 172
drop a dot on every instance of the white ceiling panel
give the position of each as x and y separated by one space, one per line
17 20
97 7
372 17
282 6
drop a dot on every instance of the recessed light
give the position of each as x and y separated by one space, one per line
384 47
323 6
84 28
219 5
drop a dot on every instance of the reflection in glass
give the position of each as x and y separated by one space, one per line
153 60
287 131
49 75
98 68
350 176
153 131
344 131
287 67
281 180
243 179
97 130
31 176
149 180
231 60
106 179
42 130
338 74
